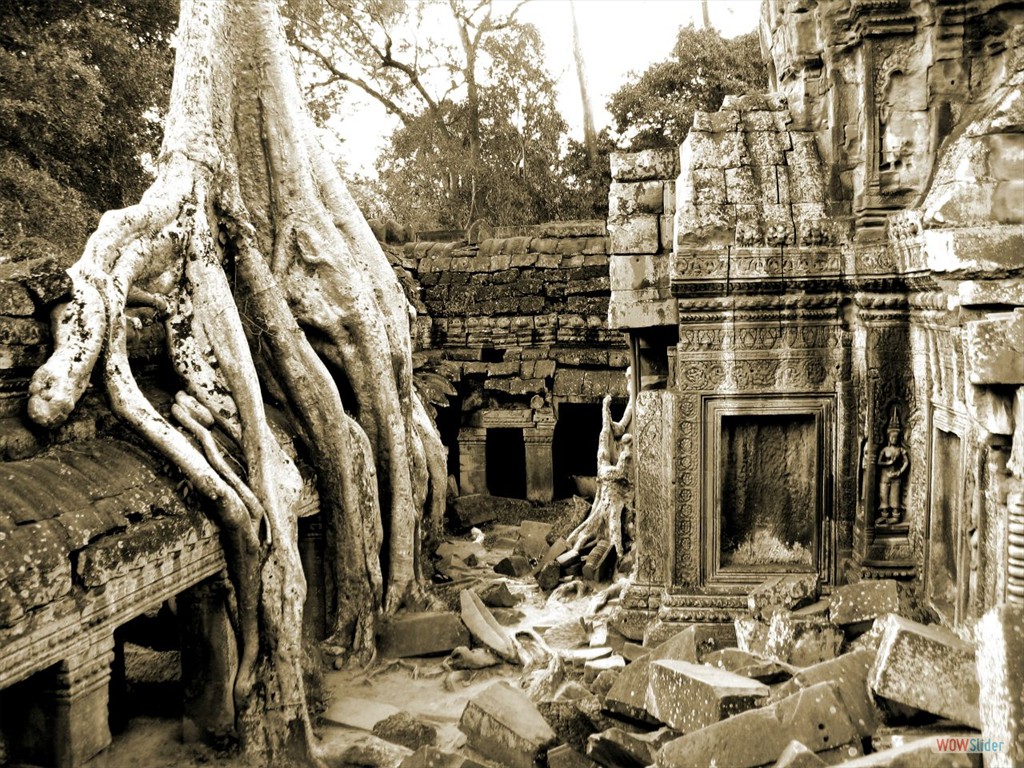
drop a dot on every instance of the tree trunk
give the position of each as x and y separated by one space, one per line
272 285
589 132
705 14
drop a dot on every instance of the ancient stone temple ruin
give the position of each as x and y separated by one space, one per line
825 288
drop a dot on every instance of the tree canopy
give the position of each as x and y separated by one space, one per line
82 86
656 109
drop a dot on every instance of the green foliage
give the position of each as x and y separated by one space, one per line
82 83
657 109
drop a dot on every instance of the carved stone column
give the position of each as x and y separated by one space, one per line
209 659
472 460
539 474
80 699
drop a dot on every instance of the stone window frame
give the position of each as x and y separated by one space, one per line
822 409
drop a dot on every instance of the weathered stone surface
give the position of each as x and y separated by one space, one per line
513 565
646 164
751 636
594 667
533 542
802 640
496 594
471 658
814 716
421 634
569 722
359 713
863 601
796 755
688 696
748 665
502 724
782 592
474 509
617 748
564 756
628 696
695 642
850 673
926 667
1000 663
548 576
567 634
638 234
432 757
484 628
631 198
995 348
406 730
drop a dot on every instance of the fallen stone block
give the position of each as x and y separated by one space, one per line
421 634
558 548
484 627
850 673
818 608
496 594
599 565
888 737
513 565
782 593
578 657
924 753
604 681
748 665
796 755
363 714
814 716
628 695
688 696
695 642
863 601
926 667
751 635
567 634
1000 664
548 576
533 539
570 723
474 509
432 757
502 724
802 640
594 667
564 756
616 748
406 730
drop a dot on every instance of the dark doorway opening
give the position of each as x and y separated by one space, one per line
145 677
574 447
506 463
28 719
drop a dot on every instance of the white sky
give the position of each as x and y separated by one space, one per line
617 36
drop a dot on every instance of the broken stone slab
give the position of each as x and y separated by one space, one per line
548 576
887 737
558 548
696 641
594 667
570 723
502 724
421 634
628 695
564 756
863 601
1000 664
578 657
404 729
616 748
567 634
782 593
460 549
796 755
748 665
604 681
474 509
496 594
599 565
484 628
814 716
513 565
926 667
751 635
802 640
922 753
533 539
363 714
850 673
432 757
688 696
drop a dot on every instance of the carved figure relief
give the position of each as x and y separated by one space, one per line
893 464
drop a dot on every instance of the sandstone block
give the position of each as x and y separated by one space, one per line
421 634
922 753
594 667
814 716
803 640
628 695
513 565
863 601
643 165
850 673
432 757
502 724
689 696
497 595
926 667
617 748
405 730
748 665
782 592
1000 663
638 234
533 540
695 642
564 756
796 755
751 636
627 199
354 712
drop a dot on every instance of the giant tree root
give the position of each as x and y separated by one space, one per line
272 285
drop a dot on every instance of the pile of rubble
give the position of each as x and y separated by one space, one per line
799 681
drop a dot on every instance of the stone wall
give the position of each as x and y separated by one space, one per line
846 249
522 323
